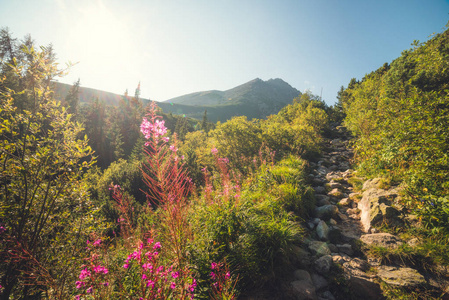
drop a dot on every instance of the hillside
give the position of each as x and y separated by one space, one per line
254 99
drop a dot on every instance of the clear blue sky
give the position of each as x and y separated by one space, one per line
175 47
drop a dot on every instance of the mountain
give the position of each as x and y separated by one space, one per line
254 99
86 94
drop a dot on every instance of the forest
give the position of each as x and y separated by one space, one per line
129 202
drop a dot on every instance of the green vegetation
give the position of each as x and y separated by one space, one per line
400 116
91 208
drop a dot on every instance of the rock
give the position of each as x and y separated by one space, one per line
322 230
323 202
323 264
300 257
340 259
332 222
334 184
327 295
336 193
319 248
319 282
326 212
370 206
310 225
316 221
302 275
372 183
320 189
353 196
344 202
332 248
364 288
352 211
345 248
403 277
303 290
385 240
322 170
319 197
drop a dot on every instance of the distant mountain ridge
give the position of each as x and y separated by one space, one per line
254 99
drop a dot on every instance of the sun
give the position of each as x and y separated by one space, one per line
100 36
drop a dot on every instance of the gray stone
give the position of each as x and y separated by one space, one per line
370 206
303 290
323 264
345 248
302 275
327 295
319 248
332 248
385 240
332 222
322 230
326 212
322 202
300 257
319 281
363 288
403 277
320 189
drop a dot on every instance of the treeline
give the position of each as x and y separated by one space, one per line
399 115
97 202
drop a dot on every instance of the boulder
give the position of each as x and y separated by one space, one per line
375 207
323 264
326 212
344 202
345 248
364 288
402 277
385 240
303 290
336 193
322 230
319 248
320 189
319 282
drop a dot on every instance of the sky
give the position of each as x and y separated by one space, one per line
176 47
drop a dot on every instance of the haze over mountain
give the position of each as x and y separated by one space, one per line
254 99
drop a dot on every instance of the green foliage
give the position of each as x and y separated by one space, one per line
43 199
400 116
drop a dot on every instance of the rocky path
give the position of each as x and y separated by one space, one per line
332 265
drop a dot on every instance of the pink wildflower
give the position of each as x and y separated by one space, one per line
213 265
105 283
214 150
173 148
84 273
175 275
89 290
157 246
97 242
172 285
79 284
126 266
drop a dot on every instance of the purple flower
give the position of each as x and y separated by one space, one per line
157 245
2 229
77 297
175 275
228 275
89 290
173 148
212 275
97 242
79 284
126 266
213 265
105 283
172 285
150 283
214 150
